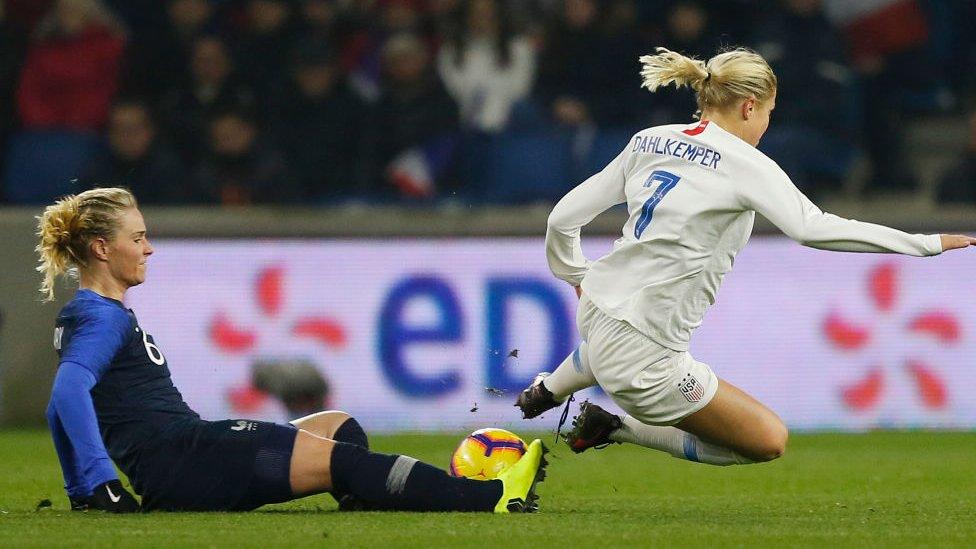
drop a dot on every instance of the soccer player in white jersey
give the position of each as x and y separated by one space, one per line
692 192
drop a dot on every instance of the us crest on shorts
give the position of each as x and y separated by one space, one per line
691 388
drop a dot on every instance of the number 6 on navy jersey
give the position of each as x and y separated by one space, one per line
666 181
155 355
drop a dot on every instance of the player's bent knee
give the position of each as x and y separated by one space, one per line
773 443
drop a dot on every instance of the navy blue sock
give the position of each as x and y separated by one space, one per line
352 432
405 484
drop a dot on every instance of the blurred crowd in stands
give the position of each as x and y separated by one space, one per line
431 101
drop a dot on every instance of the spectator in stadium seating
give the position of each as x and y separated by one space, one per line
414 118
159 55
320 19
888 43
241 167
958 185
24 15
961 28
486 66
689 30
569 89
814 135
334 24
317 122
72 68
136 14
137 158
213 85
619 43
444 17
362 55
267 38
11 56
599 85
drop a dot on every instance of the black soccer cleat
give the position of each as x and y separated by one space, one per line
592 428
536 399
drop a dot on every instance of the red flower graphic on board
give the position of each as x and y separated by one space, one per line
233 338
941 326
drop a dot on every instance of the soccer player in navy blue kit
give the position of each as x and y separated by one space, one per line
113 400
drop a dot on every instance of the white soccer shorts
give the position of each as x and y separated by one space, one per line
654 384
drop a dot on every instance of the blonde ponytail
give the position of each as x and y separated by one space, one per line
668 67
732 75
68 226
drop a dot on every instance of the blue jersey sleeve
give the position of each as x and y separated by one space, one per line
96 338
74 479
78 443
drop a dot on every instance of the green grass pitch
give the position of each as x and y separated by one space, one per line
879 490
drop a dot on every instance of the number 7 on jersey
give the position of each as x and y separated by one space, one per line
665 182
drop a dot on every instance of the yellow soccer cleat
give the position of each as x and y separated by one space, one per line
519 480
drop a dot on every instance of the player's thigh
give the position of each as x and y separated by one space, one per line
323 424
617 354
311 459
736 420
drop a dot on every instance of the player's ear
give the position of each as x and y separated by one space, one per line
748 108
99 249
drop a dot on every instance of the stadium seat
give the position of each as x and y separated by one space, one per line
43 165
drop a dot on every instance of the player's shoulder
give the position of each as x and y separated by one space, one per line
87 307
742 154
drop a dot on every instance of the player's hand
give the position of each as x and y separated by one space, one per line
112 497
579 291
955 241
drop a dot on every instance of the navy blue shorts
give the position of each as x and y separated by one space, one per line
230 465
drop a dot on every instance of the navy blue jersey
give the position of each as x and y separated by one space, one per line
134 398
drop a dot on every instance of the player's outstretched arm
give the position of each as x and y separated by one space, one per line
956 241
771 193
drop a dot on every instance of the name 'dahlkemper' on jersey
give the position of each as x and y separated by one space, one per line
678 149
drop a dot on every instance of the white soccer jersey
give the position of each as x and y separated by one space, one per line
692 193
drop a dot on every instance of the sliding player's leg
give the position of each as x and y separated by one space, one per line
550 390
403 483
573 374
738 422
